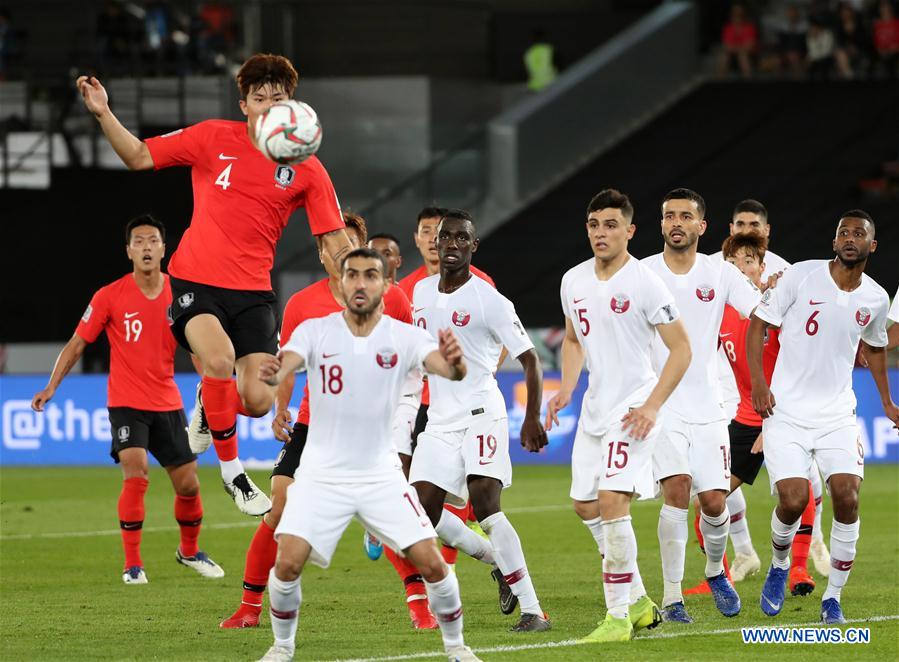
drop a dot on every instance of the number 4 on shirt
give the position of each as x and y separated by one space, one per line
223 178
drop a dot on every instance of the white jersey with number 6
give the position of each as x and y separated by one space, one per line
700 295
355 384
820 327
483 321
615 323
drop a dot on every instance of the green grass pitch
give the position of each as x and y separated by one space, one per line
63 598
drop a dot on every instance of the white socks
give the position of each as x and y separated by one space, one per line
739 525
454 533
595 527
673 547
782 540
284 599
843 538
231 469
714 532
446 604
510 561
618 565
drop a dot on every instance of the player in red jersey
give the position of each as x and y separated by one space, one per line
317 300
145 409
224 309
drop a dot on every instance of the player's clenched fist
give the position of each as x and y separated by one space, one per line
556 404
268 369
640 421
40 399
282 424
93 93
763 400
449 346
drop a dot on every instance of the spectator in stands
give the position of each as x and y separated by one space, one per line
740 40
791 41
853 44
215 35
820 49
538 61
886 38
8 42
117 38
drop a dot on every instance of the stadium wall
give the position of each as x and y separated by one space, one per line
75 428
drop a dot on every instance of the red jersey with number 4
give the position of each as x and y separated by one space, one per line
242 202
408 286
317 301
732 337
141 345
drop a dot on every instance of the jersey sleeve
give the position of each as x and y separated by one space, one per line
95 317
741 294
178 148
658 302
777 300
301 341
875 332
483 276
420 343
320 200
894 309
397 306
563 296
506 326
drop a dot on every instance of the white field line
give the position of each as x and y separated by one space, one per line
574 642
219 525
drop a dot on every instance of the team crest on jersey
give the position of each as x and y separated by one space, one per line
705 293
284 175
863 316
185 300
620 303
766 296
87 313
461 317
124 433
387 358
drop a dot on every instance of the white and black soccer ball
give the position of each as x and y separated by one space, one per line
288 132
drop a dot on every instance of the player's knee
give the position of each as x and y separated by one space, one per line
845 502
793 501
287 568
433 569
712 503
188 488
586 510
676 491
220 366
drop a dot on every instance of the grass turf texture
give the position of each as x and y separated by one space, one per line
63 597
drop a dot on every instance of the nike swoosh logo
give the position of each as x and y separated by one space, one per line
815 303
128 316
417 310
725 335
774 605
612 475
222 157
577 301
328 356
482 463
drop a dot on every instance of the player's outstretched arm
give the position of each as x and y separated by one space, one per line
533 435
877 364
641 420
762 398
282 423
67 358
572 364
133 152
274 369
448 361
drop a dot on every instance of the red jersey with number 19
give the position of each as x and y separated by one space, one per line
142 347
732 337
242 202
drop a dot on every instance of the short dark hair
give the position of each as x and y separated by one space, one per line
686 194
429 212
752 242
367 253
266 69
459 215
610 198
385 235
752 207
354 221
857 213
144 219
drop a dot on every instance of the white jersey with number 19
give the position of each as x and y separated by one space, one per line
355 384
820 328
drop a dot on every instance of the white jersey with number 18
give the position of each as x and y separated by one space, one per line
820 328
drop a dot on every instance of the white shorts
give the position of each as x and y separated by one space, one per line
791 449
614 461
700 450
403 426
319 513
446 459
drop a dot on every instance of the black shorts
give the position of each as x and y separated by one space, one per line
162 433
289 457
421 421
249 317
743 464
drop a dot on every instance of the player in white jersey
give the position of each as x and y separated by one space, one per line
893 331
693 447
823 309
614 306
357 361
464 448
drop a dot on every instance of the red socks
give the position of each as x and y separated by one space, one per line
131 518
189 515
260 560
804 534
415 588
221 404
699 537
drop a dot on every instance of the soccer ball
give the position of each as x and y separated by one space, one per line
288 132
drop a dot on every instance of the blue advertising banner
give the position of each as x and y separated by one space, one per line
74 429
